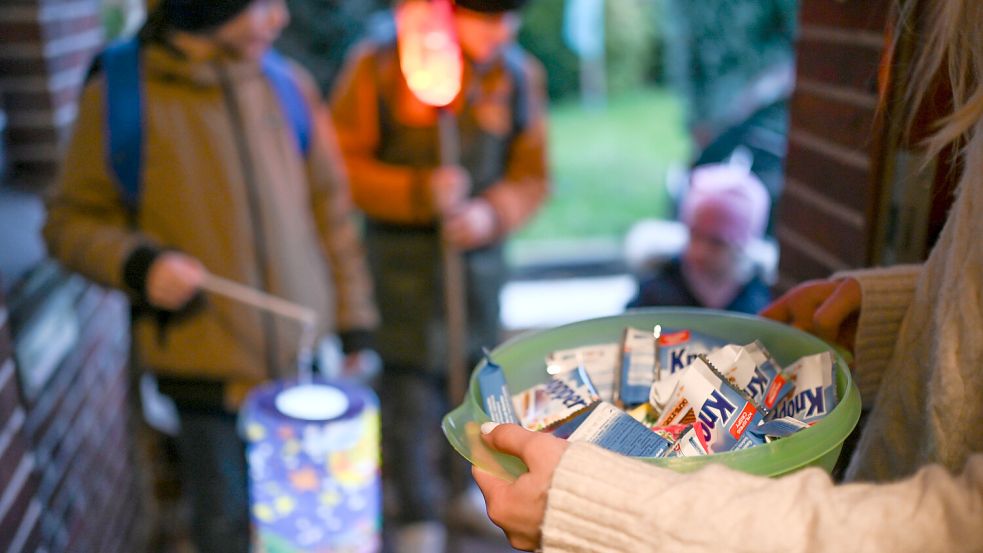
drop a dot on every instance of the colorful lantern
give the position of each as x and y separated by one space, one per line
313 455
429 54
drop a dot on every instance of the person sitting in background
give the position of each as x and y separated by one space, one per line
725 209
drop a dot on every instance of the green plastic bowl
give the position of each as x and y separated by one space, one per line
522 360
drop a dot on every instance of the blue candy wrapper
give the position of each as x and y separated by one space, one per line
495 394
727 414
551 404
600 361
815 389
769 385
638 367
679 348
779 428
614 430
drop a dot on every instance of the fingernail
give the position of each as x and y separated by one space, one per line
487 427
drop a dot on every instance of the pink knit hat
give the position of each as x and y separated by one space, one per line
727 201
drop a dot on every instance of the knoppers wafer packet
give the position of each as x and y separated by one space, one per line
689 443
601 361
727 414
547 406
611 428
769 384
678 349
675 348
638 367
814 395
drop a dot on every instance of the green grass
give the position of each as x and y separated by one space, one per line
609 166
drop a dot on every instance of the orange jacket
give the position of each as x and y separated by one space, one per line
397 193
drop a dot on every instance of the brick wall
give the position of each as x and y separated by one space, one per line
20 511
67 472
45 49
828 214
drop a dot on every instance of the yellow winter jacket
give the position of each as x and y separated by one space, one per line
224 181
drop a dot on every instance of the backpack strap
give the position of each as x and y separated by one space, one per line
124 116
515 64
292 100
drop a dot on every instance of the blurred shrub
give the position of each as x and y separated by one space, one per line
633 43
542 35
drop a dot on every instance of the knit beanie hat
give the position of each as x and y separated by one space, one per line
200 15
491 6
729 202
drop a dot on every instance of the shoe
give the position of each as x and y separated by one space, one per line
421 537
468 512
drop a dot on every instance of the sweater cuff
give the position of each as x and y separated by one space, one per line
593 498
137 267
886 295
356 340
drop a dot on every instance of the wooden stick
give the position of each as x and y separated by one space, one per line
258 298
455 292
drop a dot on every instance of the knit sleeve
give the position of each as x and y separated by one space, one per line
886 294
602 502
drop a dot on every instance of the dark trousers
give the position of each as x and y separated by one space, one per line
418 462
213 476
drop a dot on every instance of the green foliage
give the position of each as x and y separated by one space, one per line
113 20
321 32
633 43
542 35
609 165
632 37
714 48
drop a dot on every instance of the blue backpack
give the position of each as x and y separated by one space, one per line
124 110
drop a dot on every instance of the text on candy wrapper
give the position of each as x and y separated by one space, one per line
811 398
723 409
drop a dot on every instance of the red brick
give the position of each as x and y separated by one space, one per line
19 32
870 15
13 518
32 136
851 66
796 266
843 123
832 178
11 456
9 397
837 237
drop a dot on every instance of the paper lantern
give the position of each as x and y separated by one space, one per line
313 456
429 55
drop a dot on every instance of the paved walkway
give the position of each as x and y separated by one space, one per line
548 303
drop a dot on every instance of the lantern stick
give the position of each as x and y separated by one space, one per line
430 60
279 306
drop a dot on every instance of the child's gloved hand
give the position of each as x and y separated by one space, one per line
471 226
449 186
173 280
362 366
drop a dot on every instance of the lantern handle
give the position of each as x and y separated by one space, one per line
258 298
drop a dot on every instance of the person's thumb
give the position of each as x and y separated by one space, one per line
508 438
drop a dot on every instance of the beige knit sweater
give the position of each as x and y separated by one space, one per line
919 363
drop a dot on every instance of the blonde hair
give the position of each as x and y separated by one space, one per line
953 44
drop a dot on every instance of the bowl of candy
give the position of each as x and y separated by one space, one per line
675 387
